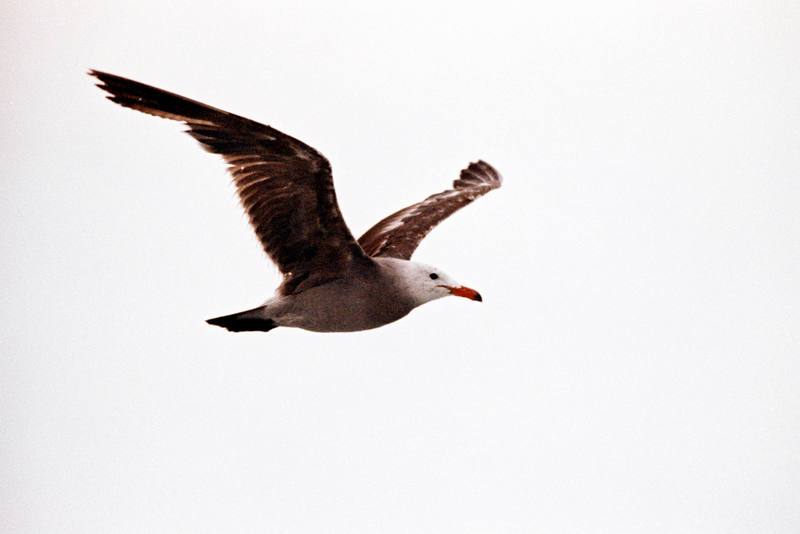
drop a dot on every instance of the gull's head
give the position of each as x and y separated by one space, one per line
425 283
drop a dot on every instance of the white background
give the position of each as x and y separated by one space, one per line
633 368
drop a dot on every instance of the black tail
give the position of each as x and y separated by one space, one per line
246 321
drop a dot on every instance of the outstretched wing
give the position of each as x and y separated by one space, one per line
399 234
285 186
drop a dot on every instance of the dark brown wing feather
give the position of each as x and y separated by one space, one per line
285 186
399 234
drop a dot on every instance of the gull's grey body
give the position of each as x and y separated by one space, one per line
331 282
368 296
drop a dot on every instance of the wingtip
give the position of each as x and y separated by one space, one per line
105 79
478 173
99 76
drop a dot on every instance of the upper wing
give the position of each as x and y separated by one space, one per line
285 186
399 234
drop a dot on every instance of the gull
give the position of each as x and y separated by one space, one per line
331 282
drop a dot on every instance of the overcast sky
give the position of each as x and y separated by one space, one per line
634 366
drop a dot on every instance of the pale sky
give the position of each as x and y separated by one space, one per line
635 364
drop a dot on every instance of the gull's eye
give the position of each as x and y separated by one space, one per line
434 276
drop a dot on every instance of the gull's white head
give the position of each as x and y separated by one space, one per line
425 283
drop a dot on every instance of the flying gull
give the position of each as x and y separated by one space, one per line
331 282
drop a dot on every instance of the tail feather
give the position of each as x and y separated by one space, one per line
246 321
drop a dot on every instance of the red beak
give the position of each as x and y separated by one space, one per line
465 292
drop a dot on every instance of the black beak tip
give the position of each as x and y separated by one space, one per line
478 297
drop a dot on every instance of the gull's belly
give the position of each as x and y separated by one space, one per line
342 307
